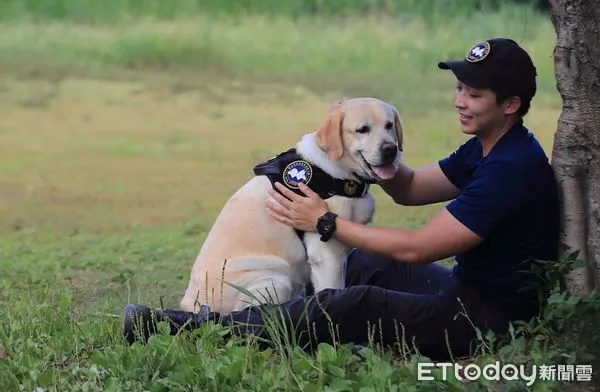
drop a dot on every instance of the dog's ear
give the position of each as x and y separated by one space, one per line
399 130
329 134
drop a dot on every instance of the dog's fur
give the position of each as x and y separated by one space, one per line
248 249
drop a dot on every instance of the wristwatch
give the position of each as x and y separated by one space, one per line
326 225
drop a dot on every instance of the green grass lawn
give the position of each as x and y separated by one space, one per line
120 142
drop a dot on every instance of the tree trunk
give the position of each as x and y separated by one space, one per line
576 152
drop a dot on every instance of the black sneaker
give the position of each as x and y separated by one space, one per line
139 321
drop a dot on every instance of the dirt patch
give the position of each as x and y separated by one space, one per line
5 354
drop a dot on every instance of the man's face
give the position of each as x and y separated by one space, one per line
478 112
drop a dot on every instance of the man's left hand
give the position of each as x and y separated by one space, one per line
297 211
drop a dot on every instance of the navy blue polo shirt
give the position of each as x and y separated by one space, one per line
510 199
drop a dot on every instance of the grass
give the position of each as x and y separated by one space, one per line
124 132
89 11
390 56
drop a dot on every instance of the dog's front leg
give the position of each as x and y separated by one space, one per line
327 262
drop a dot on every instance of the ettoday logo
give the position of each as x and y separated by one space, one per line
496 372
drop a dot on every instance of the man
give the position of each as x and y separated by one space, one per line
503 215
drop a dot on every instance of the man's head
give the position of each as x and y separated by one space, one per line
500 65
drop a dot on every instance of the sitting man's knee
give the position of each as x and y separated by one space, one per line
358 300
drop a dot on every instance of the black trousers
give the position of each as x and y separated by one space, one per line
386 302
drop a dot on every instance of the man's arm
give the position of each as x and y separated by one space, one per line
426 185
444 236
496 191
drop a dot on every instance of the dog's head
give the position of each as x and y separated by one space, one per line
364 136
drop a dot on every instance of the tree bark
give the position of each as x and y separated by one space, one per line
576 151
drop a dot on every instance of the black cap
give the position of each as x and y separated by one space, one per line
496 63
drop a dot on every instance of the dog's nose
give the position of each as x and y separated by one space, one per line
389 152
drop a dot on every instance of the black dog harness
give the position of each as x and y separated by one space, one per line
290 168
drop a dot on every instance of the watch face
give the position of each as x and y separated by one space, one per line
327 226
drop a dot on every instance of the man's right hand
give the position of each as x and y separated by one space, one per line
415 187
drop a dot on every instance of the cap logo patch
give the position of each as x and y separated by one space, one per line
297 172
479 52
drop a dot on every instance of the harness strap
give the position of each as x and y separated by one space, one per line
289 168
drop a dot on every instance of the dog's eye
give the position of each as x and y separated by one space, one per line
363 129
389 125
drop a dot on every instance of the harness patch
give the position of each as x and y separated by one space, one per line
297 172
350 187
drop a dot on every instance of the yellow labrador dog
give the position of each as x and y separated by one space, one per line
358 144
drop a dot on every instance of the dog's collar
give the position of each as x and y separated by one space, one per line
364 180
289 168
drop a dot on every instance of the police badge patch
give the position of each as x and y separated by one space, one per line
478 52
297 172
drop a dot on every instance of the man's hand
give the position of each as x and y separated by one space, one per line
426 185
299 212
